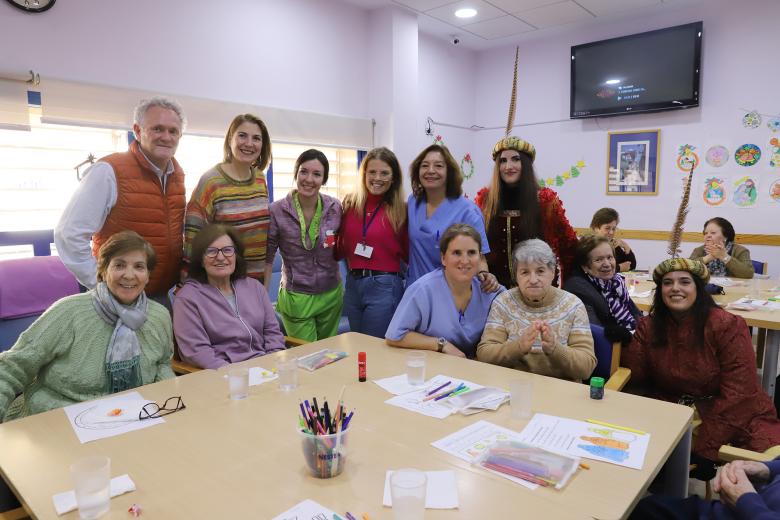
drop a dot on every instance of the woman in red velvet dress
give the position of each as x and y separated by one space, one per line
515 208
690 351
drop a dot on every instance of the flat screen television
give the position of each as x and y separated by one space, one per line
646 72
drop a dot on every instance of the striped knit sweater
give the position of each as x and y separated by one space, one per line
242 204
60 359
510 316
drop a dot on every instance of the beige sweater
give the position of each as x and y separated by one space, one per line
510 315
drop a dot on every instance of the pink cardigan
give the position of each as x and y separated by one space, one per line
210 334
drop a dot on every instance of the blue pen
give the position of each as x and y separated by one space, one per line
337 517
459 387
438 388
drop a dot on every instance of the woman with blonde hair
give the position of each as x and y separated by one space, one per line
235 193
374 240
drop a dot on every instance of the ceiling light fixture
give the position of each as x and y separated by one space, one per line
466 12
612 81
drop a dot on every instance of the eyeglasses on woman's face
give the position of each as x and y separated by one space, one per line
226 251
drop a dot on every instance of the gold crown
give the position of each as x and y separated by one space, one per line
514 143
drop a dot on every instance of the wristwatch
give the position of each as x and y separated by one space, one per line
440 344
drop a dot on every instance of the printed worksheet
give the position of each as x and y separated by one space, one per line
471 441
588 440
431 398
108 417
306 510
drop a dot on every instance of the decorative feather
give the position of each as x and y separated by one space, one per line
675 237
510 122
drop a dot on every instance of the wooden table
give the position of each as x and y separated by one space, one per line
763 319
242 459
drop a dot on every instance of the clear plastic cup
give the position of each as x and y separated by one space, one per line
287 370
92 484
408 489
325 455
415 368
521 397
238 383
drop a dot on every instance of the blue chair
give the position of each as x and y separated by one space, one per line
608 360
28 286
759 267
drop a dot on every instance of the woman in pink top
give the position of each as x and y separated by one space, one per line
374 240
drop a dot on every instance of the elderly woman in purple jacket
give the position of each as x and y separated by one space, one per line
303 227
221 316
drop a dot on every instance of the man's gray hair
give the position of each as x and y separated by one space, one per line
145 104
533 250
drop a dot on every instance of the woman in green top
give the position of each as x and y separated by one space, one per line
88 345
303 228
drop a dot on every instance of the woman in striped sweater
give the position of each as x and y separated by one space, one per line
235 193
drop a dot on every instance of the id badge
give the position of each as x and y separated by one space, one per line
363 250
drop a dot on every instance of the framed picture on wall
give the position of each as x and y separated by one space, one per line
632 162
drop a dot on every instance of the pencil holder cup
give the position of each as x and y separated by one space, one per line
325 454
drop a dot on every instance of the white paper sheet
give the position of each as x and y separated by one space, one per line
259 375
588 440
471 441
415 401
307 510
399 385
441 492
95 420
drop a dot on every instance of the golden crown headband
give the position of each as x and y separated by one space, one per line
509 142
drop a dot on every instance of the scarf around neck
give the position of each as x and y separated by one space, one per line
616 294
123 354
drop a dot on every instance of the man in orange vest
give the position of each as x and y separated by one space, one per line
141 189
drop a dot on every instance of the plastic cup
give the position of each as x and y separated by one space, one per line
408 489
325 455
238 383
288 374
415 368
755 288
92 483
521 396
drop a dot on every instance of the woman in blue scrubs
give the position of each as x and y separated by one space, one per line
436 203
445 310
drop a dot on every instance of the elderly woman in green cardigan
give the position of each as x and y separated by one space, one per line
88 345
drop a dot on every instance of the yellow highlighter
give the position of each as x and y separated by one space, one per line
610 425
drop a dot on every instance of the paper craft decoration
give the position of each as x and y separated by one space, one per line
751 120
747 154
467 166
559 180
717 156
773 124
687 158
774 158
745 192
714 191
774 191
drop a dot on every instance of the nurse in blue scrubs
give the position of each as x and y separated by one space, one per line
445 310
437 202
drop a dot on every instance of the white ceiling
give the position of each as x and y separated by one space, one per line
503 22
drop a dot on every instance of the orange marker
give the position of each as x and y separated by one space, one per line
584 466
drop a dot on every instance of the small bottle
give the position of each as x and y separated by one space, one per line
362 367
597 388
